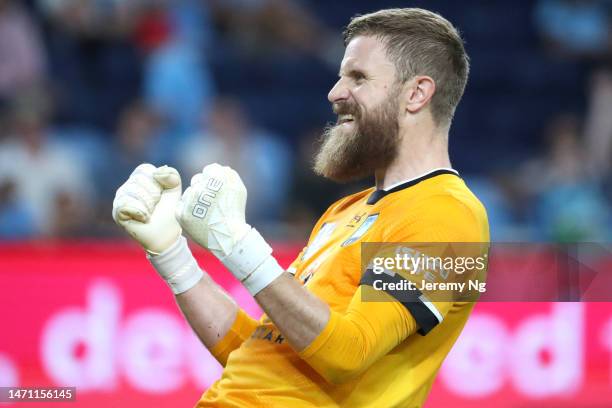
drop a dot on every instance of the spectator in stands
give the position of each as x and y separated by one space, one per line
91 18
177 81
94 64
38 178
136 133
136 136
16 218
498 198
575 28
22 59
275 27
598 127
259 156
569 202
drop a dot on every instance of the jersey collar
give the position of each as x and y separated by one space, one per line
379 194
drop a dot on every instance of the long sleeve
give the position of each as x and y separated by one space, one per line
352 341
241 329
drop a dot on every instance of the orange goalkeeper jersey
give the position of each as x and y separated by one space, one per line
370 354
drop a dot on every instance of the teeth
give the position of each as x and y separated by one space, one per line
345 118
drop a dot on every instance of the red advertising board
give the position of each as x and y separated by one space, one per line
95 316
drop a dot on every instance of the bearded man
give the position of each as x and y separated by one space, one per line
321 342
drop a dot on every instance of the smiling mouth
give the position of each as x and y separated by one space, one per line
342 119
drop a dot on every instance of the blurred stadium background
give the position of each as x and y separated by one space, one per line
91 88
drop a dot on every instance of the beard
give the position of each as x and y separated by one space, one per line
370 142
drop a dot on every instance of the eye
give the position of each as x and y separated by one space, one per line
358 77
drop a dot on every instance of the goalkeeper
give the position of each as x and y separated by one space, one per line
318 343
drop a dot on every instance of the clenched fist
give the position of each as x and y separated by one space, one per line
212 209
145 207
212 213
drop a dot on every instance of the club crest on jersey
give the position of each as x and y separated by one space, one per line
363 228
356 219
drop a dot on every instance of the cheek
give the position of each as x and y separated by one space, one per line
368 99
360 93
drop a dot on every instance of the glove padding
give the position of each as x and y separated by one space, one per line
212 213
145 206
212 209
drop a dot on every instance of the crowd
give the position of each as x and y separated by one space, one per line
91 88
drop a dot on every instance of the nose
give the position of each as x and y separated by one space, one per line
339 92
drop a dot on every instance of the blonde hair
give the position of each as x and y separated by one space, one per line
420 42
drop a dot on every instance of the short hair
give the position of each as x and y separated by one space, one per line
420 42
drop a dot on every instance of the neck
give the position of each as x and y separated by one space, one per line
420 152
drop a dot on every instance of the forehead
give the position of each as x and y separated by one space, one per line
367 53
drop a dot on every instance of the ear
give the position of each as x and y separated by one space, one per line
420 91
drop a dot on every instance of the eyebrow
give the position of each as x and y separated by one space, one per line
353 73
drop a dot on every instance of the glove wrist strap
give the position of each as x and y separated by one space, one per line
252 263
177 266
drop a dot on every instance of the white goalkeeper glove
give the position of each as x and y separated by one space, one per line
145 206
212 213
